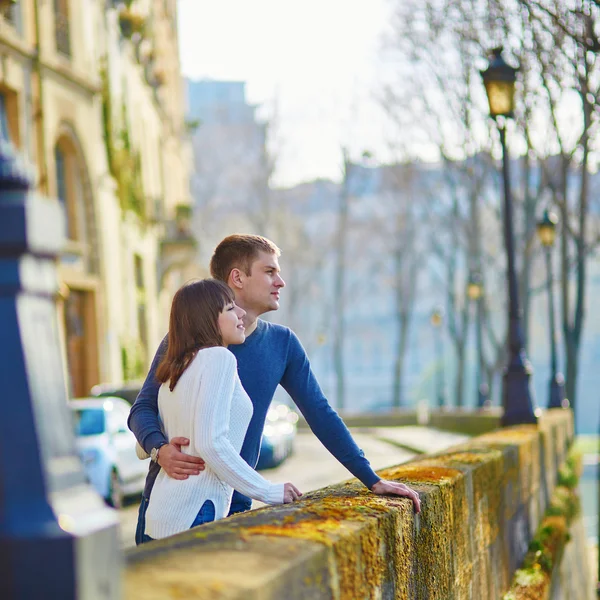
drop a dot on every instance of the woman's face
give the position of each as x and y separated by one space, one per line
231 325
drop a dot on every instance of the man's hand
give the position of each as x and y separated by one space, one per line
398 489
177 464
290 493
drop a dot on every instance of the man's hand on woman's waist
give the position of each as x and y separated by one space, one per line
177 464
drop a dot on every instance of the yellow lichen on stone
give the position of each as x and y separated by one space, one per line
351 527
423 473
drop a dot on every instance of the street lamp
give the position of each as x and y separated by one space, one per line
475 294
546 229
499 80
436 319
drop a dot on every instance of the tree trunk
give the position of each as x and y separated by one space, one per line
572 355
460 373
338 293
399 362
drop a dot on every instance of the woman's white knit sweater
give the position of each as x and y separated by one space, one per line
211 408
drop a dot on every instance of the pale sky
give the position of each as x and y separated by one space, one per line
317 60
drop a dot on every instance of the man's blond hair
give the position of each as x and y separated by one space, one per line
239 251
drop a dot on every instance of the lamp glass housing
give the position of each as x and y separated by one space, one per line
546 229
501 97
499 81
474 290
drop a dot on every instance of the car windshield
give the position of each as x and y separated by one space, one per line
89 421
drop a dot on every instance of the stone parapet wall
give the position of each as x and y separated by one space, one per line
481 503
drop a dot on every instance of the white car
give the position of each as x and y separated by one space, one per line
107 448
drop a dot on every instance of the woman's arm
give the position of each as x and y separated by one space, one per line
212 417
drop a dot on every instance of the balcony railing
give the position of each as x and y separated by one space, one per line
62 29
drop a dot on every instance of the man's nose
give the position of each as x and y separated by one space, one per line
279 282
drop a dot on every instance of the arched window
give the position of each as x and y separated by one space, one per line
72 190
79 261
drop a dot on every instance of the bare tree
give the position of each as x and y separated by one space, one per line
401 225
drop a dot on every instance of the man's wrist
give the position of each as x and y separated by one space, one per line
154 454
154 440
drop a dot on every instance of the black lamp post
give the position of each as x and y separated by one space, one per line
437 318
546 229
499 80
475 294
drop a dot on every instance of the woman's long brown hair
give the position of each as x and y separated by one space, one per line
193 325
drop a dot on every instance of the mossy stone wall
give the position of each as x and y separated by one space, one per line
481 502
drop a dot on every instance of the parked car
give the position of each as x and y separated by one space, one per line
278 436
107 448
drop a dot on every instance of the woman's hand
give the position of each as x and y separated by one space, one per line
398 489
290 493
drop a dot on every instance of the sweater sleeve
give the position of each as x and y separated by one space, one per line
143 418
301 384
212 415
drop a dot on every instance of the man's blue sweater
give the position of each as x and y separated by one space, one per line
270 356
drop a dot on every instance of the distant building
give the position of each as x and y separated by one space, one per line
230 182
99 111
371 332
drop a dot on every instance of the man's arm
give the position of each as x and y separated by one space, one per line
143 418
145 423
301 384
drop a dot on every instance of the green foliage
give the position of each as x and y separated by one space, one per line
552 534
192 125
133 360
131 21
123 161
528 577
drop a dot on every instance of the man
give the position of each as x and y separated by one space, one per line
271 355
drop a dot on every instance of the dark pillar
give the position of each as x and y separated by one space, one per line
516 396
57 538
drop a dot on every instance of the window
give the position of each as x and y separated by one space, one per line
4 131
9 116
61 27
70 193
62 191
12 14
89 421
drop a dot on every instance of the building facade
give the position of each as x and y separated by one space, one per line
90 94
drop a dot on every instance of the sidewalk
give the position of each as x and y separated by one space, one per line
421 440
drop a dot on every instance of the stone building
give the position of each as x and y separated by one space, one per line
91 95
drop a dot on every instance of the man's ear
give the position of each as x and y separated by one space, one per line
236 279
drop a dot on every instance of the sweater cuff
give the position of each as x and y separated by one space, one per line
275 495
154 440
364 472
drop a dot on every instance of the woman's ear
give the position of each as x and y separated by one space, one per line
235 279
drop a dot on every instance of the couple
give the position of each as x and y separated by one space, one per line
194 386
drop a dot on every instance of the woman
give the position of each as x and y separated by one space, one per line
202 398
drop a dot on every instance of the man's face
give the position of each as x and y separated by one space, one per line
260 290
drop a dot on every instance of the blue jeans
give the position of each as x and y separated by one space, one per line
206 514
241 505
